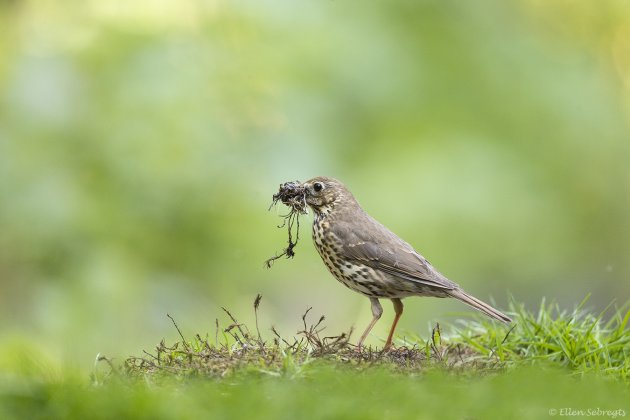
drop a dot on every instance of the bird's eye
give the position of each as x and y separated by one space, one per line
318 186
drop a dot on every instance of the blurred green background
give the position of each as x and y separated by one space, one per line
141 141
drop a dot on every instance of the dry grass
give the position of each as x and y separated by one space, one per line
237 349
577 341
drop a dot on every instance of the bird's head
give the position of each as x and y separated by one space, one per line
323 193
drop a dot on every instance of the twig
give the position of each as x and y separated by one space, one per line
236 324
256 304
179 331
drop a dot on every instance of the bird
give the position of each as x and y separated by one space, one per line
368 258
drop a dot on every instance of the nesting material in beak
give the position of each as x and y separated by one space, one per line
293 195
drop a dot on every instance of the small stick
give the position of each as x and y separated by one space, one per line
216 333
179 331
236 324
256 304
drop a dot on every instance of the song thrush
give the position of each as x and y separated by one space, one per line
368 258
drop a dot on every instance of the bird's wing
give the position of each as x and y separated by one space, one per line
380 249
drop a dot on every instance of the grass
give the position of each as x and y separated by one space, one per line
550 360
577 340
328 392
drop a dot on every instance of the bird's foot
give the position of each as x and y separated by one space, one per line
388 349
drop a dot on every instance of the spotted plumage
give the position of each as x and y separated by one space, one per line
369 259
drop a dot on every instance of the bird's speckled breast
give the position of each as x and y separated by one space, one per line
356 277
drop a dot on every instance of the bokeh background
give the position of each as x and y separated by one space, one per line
141 141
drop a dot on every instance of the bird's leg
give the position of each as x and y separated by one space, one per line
377 311
398 308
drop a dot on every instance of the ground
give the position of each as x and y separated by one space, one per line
550 363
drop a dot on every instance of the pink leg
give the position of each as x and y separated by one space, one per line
398 308
377 311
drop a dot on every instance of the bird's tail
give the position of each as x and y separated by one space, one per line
479 305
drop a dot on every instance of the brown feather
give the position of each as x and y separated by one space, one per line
381 249
479 305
